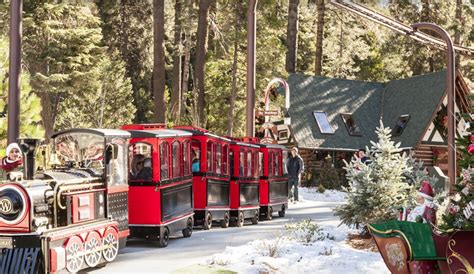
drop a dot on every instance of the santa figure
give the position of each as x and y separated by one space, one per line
425 212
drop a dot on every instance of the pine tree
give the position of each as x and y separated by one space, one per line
376 190
30 106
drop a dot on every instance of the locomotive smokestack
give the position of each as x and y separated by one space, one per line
28 147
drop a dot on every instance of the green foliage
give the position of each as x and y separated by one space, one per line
30 106
460 209
307 231
378 189
329 176
321 188
79 84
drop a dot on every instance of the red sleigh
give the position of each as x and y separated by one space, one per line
402 244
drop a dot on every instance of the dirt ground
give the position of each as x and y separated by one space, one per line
364 242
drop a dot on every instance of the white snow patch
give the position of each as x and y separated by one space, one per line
330 195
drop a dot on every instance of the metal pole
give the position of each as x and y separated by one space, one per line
251 48
450 90
13 131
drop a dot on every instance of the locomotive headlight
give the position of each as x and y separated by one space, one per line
12 204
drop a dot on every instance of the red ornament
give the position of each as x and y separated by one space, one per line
470 148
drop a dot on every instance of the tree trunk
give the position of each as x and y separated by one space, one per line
201 57
211 46
187 52
459 21
176 89
159 60
292 36
233 93
318 64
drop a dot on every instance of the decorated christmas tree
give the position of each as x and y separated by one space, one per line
379 189
460 210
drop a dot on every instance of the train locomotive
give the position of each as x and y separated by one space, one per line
103 186
72 216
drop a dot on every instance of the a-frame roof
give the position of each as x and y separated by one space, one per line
418 97
333 96
368 102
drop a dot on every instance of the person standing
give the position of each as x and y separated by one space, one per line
294 166
12 162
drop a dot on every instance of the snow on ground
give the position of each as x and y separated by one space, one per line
329 195
302 247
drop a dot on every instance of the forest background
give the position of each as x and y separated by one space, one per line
105 63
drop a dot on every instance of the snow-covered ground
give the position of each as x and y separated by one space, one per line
299 248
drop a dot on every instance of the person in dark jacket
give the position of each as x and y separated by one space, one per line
294 166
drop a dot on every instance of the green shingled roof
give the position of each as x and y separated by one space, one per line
333 96
416 96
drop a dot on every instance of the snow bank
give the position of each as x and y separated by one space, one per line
286 255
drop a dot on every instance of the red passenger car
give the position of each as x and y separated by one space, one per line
210 154
273 180
160 180
244 184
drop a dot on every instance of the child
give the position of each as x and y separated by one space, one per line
12 162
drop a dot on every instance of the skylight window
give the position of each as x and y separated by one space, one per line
351 125
323 122
401 124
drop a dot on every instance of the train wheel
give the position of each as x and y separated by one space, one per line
241 220
269 213
110 244
282 212
163 242
225 222
74 254
207 222
188 231
92 249
256 217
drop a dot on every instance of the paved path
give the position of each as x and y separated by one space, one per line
145 257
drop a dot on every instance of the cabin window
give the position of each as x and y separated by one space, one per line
277 163
249 164
225 159
195 156
186 158
351 125
401 125
323 122
164 161
256 164
284 158
176 159
209 156
218 158
242 163
140 162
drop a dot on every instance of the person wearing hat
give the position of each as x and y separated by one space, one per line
294 166
12 162
425 212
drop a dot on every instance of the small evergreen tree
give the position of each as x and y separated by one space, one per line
30 106
329 176
378 189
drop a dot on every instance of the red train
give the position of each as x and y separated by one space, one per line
145 180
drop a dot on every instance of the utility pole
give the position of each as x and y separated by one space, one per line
13 111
